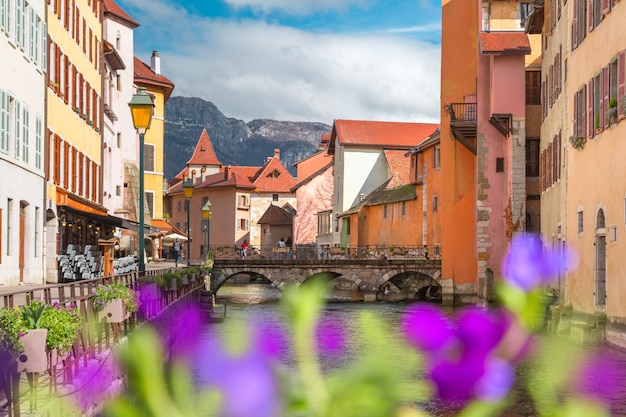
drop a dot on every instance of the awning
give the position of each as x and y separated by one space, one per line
164 227
106 219
134 226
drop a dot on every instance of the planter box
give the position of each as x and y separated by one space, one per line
113 312
34 358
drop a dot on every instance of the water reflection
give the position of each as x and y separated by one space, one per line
258 303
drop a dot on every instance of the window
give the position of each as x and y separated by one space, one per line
274 197
118 82
118 190
385 211
119 140
9 222
499 164
243 201
148 157
597 12
580 221
533 88
403 208
38 142
150 200
437 157
179 206
324 222
243 224
20 9
525 10
613 233
435 202
17 120
346 223
178 225
532 157
4 120
25 133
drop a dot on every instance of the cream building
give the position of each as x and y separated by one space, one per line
22 128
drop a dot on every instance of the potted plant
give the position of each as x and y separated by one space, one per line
64 324
34 357
114 301
11 328
578 142
611 113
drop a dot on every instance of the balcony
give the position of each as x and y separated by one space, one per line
463 121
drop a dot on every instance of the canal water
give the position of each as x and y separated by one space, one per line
258 303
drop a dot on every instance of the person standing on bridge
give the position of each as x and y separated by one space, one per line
288 244
244 249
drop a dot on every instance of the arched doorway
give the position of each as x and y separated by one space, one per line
600 269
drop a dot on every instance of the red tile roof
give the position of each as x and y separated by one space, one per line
274 177
504 43
112 8
388 135
144 75
204 154
400 167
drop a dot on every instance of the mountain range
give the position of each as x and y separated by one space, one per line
235 141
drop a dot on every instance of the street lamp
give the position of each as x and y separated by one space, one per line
141 108
207 214
188 190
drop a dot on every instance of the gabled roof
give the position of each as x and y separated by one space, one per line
315 174
112 8
504 43
400 167
386 135
225 178
204 154
276 216
273 177
145 75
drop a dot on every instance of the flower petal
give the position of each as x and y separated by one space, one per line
427 327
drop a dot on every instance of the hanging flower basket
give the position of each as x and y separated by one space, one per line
34 358
113 312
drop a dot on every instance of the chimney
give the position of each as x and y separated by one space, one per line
277 153
155 63
226 173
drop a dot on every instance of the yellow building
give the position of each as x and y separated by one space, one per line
583 201
160 88
74 131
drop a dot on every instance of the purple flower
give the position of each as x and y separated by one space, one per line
528 265
179 328
601 377
247 381
461 355
94 384
330 337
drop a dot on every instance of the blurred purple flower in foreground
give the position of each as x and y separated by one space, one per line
95 384
247 381
528 265
330 337
461 358
600 377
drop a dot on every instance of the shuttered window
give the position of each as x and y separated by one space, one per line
148 157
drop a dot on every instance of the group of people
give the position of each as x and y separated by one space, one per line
282 243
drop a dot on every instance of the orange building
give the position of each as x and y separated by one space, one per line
483 141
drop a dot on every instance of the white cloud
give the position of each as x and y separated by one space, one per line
295 6
250 69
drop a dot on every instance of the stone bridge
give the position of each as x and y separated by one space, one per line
367 279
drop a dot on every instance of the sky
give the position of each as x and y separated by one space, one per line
298 60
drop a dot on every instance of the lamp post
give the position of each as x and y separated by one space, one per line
141 108
188 190
207 214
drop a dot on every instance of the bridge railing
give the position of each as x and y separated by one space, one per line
318 252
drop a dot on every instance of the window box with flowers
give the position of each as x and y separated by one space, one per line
11 329
611 113
578 142
114 302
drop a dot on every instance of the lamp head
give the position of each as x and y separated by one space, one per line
141 107
206 210
188 187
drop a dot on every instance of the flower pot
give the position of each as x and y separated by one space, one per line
34 358
185 279
113 312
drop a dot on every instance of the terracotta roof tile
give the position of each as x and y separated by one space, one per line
399 135
504 43
111 7
144 75
400 167
204 154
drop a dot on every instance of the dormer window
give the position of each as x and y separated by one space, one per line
275 174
